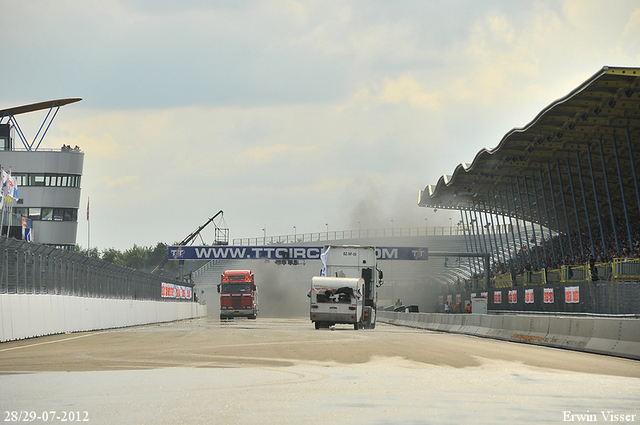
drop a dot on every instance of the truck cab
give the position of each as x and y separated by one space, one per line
336 300
238 295
345 265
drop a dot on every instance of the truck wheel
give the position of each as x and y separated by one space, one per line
355 326
373 325
317 325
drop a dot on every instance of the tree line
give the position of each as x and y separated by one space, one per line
144 258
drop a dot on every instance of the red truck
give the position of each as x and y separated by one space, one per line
238 294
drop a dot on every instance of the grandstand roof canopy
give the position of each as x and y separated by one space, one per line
52 105
23 109
600 114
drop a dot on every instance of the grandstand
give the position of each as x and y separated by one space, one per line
570 176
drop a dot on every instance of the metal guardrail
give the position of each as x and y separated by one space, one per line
620 270
503 281
204 268
575 273
626 269
456 230
28 268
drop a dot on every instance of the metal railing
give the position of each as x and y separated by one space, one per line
455 230
626 269
575 274
28 268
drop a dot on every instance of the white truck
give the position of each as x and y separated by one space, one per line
346 291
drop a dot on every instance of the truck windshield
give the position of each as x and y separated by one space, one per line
340 295
236 287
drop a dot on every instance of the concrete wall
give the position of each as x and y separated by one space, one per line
612 336
26 316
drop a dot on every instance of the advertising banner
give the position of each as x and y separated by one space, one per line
513 296
571 294
169 290
497 297
548 295
528 296
282 252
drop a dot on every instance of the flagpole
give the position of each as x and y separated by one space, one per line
10 203
2 201
10 207
88 231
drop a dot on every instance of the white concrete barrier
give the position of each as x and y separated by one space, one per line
507 327
604 335
26 316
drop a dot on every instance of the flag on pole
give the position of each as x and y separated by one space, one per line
87 209
12 187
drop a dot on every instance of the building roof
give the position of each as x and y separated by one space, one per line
600 114
16 110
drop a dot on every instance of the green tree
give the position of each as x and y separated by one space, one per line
140 258
110 255
92 253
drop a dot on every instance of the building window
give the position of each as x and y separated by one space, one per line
36 179
47 214
21 179
53 180
70 214
34 213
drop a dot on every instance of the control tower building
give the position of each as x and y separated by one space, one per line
48 179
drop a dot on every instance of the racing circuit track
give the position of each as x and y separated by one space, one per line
283 371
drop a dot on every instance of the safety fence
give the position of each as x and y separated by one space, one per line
28 268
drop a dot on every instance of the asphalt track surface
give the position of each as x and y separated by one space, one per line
283 371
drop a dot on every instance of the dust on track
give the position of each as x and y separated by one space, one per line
273 342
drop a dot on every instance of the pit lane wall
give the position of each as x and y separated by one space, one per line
27 315
611 336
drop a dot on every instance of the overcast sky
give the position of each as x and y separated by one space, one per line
311 114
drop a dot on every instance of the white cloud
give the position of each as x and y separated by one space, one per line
293 112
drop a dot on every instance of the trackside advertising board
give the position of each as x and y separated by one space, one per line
170 290
281 252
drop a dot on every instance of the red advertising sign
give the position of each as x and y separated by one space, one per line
497 297
513 296
528 296
548 295
572 294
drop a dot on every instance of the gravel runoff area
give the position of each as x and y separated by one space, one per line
283 371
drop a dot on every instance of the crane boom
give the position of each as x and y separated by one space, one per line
187 240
